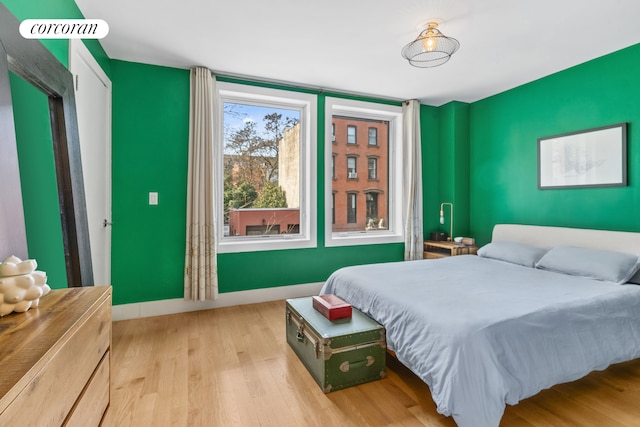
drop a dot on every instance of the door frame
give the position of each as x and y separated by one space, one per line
77 46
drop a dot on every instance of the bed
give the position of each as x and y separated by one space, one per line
539 306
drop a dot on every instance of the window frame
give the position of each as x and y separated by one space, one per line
333 207
333 166
375 169
355 134
375 132
352 204
306 103
374 196
355 166
372 111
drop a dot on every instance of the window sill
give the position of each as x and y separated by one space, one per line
363 238
265 243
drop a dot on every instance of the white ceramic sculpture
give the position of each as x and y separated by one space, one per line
21 286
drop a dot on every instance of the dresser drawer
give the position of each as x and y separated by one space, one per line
94 400
61 375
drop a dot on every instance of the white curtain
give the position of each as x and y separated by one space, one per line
200 273
412 180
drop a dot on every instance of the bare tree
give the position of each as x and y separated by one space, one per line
255 157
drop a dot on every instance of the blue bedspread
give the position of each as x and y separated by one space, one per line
484 333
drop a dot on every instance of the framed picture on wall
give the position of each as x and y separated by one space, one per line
588 158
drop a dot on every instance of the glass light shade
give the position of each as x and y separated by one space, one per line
431 48
430 43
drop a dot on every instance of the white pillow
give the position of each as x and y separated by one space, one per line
595 264
513 252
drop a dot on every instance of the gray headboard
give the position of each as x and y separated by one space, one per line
545 236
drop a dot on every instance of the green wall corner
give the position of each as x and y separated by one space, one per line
454 165
504 133
430 145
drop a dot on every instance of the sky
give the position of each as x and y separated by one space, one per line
235 115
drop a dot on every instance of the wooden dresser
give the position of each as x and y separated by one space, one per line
55 361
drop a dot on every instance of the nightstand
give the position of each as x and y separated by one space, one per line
434 249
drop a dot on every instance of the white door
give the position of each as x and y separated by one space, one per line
93 105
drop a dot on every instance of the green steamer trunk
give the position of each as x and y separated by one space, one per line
339 353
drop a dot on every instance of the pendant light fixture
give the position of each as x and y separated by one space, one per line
431 48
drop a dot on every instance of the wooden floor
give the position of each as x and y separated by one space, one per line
232 367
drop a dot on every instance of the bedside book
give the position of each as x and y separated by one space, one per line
332 307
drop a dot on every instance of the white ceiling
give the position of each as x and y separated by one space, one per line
354 45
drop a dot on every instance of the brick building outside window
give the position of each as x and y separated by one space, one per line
360 154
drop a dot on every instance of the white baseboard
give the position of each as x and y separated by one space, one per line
179 305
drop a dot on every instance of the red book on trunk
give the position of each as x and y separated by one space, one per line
332 307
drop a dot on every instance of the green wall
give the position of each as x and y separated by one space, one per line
453 167
431 194
503 146
34 143
149 153
150 148
482 156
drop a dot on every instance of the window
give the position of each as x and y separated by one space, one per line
352 172
373 136
265 182
377 216
372 211
373 167
333 133
333 166
351 134
351 208
333 208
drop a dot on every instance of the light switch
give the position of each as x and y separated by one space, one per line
153 198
